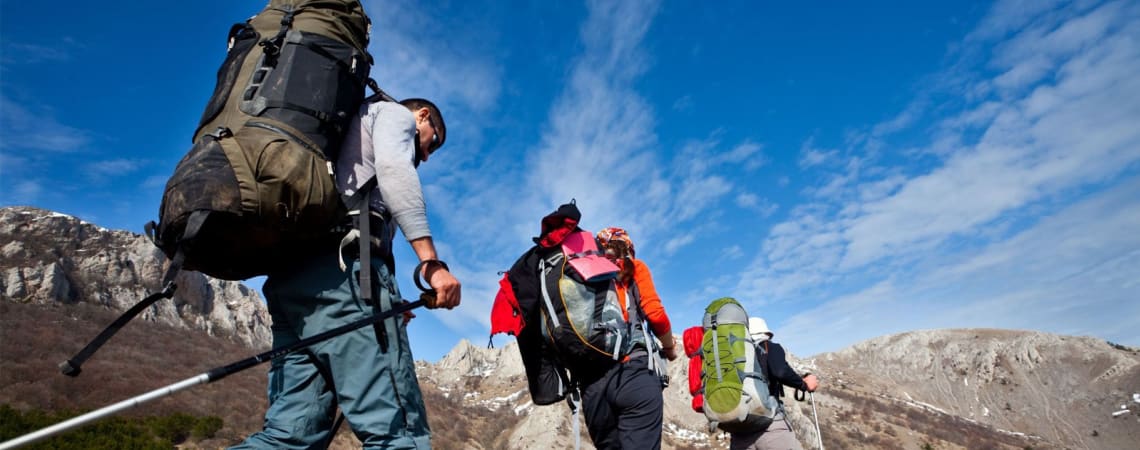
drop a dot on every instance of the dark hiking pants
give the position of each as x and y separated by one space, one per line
623 408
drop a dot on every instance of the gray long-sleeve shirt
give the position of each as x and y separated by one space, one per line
381 141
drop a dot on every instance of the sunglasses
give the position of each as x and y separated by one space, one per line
435 142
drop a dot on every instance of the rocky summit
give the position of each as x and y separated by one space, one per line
63 279
50 258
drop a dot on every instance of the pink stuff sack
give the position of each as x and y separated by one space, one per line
582 254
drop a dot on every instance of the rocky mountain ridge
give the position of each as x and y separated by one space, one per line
957 388
48 257
946 389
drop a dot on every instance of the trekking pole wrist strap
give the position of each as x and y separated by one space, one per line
434 262
421 272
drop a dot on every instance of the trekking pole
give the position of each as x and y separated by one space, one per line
815 417
212 375
799 396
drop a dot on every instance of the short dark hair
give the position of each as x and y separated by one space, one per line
415 104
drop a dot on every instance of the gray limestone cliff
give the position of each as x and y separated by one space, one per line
48 257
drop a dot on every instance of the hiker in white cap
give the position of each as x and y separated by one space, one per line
778 435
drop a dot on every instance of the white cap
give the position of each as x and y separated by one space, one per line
757 327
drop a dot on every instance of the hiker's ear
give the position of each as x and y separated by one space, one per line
422 114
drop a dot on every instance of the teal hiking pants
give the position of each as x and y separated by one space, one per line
376 390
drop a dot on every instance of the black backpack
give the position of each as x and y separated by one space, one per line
571 310
562 284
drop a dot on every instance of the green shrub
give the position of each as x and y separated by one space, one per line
153 432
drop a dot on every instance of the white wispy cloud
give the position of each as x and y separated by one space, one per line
761 205
811 156
100 171
598 145
415 57
1068 274
1057 118
25 192
25 53
27 126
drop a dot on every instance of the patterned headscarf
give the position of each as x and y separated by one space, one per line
616 237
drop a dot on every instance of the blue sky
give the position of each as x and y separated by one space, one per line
848 170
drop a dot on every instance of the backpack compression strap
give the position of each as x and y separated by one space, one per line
574 399
544 268
639 320
361 204
72 367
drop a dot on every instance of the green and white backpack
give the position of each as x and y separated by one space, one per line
736 396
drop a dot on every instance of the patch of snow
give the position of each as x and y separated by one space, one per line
482 370
498 402
522 408
1136 398
686 434
908 397
928 406
985 412
472 394
1120 413
966 381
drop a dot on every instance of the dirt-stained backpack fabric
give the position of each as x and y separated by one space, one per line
257 184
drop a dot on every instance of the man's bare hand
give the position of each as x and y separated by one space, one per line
812 382
447 288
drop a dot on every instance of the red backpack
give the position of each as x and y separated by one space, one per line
692 339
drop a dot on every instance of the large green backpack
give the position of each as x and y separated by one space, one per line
736 396
257 184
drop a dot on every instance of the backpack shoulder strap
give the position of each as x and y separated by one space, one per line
762 355
379 95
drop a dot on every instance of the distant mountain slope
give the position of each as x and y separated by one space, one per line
62 280
952 389
1060 389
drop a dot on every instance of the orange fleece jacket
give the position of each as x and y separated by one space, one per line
650 301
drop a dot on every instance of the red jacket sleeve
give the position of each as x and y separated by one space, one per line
650 301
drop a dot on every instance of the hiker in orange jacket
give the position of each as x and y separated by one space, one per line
623 406
619 249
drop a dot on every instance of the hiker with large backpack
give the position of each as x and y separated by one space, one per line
369 373
778 435
621 406
580 340
257 194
